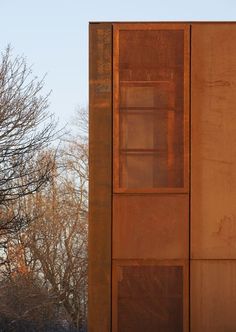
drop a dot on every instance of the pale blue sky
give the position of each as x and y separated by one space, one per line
53 35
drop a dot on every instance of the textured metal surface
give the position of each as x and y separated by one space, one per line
150 296
151 226
151 108
213 295
100 186
150 140
213 231
213 220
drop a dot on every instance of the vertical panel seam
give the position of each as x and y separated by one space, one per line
190 164
112 177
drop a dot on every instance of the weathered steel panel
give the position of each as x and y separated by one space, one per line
150 296
100 185
213 295
151 152
151 108
213 208
150 226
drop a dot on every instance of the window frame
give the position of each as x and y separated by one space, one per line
117 27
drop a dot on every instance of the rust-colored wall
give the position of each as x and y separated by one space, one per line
213 204
213 295
100 182
213 219
150 295
140 224
150 226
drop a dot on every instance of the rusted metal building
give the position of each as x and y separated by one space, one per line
162 226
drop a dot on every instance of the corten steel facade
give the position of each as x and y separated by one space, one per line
162 225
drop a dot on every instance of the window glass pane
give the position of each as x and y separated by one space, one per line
151 121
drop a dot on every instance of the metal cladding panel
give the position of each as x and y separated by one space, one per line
100 185
213 295
150 226
151 108
213 147
150 296
150 131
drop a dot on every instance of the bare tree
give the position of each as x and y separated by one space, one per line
26 131
53 248
25 305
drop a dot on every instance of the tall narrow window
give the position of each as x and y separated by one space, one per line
150 109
